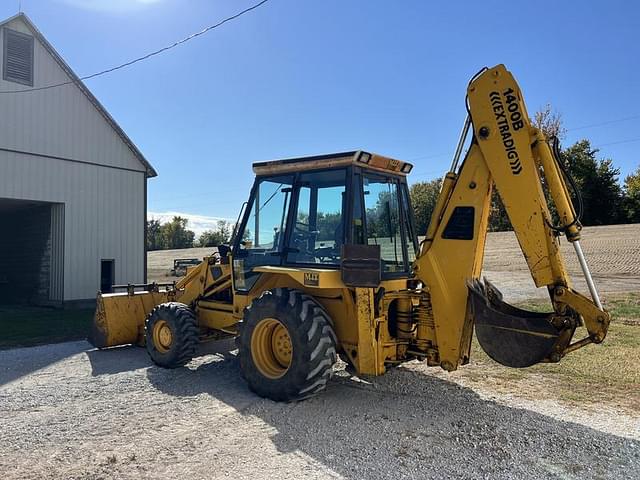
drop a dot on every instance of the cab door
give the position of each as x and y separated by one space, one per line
261 237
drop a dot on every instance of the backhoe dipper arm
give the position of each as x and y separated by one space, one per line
508 152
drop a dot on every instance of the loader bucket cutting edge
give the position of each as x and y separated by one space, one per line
98 332
511 336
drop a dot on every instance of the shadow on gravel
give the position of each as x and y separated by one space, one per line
19 362
130 357
408 424
117 360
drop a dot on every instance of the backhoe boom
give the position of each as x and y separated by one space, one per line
510 153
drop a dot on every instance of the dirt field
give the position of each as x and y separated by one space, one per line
71 412
160 262
613 254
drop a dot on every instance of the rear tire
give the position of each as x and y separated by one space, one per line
304 365
171 334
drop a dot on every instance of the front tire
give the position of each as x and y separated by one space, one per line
171 334
287 346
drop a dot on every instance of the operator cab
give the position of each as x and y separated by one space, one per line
302 211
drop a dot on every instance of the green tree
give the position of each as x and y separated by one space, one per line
328 225
176 235
632 197
154 235
423 198
213 238
498 218
598 183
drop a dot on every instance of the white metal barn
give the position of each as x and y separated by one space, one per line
73 186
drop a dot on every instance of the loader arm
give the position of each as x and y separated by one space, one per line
510 154
119 318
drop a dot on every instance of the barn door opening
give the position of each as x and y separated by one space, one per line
107 275
26 255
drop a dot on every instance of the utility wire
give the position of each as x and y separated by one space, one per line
144 57
631 140
592 125
606 122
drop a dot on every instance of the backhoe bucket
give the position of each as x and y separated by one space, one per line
509 335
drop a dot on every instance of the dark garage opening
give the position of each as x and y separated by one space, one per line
26 253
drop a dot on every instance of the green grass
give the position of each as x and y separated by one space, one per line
608 371
24 326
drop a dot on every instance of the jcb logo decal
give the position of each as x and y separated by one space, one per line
311 279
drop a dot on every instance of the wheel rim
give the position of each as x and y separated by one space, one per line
162 336
271 348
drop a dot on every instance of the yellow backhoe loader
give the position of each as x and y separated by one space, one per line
325 260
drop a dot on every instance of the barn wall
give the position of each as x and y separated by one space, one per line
59 122
103 215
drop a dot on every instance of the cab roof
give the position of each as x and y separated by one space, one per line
361 158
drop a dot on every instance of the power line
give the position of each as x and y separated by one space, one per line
606 122
435 155
592 125
631 140
144 57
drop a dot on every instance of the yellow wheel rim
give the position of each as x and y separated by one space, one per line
162 336
271 348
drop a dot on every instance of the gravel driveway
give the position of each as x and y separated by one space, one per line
71 412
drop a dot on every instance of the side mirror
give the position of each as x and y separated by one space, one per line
361 265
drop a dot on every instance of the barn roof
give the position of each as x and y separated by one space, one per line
150 171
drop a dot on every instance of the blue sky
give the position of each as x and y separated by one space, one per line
301 77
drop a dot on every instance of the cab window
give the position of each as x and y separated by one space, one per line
318 232
383 221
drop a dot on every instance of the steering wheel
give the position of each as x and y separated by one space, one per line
300 239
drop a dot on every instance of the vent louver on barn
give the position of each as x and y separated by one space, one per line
18 57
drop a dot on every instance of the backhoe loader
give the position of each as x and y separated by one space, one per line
325 261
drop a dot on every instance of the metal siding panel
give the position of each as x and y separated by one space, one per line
56 285
60 121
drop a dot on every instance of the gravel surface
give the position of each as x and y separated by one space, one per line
71 412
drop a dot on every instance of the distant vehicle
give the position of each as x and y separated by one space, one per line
180 266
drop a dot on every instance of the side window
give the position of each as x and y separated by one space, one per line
382 212
357 225
409 232
268 217
261 241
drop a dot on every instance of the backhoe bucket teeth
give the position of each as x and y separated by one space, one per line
509 335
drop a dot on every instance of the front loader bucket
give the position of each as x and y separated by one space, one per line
119 317
509 335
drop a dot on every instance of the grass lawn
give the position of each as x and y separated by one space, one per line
23 326
609 371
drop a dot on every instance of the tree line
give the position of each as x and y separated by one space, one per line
605 200
175 234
